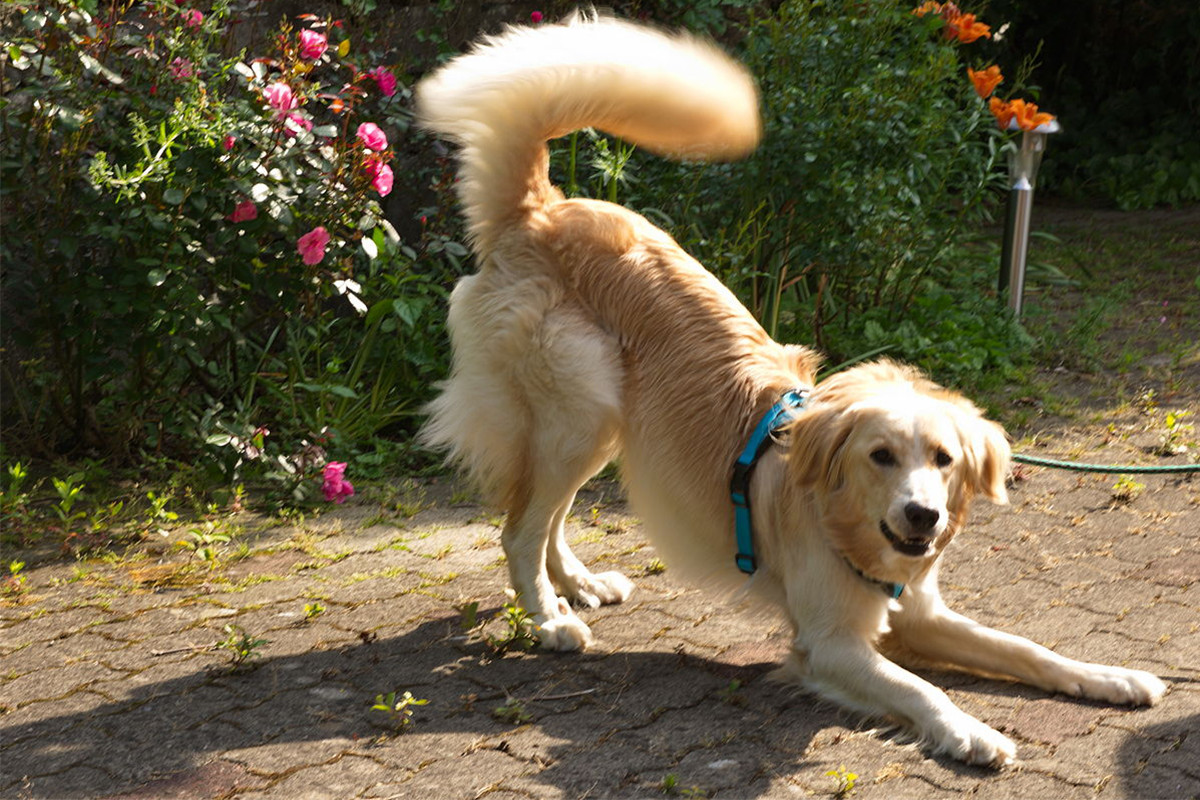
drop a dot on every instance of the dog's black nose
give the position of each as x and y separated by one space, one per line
921 519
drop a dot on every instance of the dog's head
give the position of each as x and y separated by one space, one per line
894 461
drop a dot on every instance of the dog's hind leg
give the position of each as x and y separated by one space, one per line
572 577
570 378
538 556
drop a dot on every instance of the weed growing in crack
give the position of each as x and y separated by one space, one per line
513 711
14 584
655 567
203 543
398 708
670 785
845 780
312 611
242 647
520 632
731 694
1126 489
1173 440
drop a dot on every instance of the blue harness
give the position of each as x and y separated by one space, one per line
739 487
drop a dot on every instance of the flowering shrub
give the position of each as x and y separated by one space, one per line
877 163
194 243
964 28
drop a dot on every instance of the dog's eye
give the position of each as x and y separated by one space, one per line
883 457
943 459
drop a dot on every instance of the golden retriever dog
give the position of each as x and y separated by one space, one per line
587 332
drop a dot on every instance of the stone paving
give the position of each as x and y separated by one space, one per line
111 686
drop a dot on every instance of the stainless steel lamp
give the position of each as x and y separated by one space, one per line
1023 164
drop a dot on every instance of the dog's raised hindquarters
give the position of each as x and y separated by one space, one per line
588 332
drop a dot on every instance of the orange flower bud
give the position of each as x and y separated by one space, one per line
985 80
928 7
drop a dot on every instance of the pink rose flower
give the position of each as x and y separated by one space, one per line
536 17
381 176
245 210
370 135
312 45
311 245
228 142
385 79
335 487
191 18
279 96
181 68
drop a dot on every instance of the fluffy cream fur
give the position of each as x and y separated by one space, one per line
588 332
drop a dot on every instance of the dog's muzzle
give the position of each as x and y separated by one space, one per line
916 546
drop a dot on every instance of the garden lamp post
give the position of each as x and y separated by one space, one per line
1022 176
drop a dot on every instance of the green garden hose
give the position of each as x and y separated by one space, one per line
1129 468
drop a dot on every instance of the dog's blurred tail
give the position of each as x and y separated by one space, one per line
672 94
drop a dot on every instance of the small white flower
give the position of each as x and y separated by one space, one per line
351 288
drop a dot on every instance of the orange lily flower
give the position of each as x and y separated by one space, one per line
1027 115
985 80
1002 111
966 29
928 7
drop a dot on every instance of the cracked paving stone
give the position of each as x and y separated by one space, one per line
291 748
53 683
214 779
1051 720
460 776
77 782
58 652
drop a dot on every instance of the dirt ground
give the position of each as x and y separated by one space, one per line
111 683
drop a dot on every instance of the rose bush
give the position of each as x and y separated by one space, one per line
194 247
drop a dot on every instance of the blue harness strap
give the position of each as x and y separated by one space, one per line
739 488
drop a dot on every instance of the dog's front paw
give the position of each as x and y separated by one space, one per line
562 631
594 591
967 739
1115 685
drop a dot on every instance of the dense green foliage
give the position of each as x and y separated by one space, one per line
145 316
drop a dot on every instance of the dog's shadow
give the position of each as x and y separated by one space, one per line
599 723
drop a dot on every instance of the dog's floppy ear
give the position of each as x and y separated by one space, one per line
815 442
988 458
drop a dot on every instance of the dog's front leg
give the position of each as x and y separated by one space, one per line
925 626
848 669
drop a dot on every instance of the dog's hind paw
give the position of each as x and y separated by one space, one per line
593 591
563 632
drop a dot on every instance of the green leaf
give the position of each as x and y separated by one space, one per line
328 131
173 196
156 277
68 246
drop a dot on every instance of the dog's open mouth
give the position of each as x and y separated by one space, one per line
909 547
